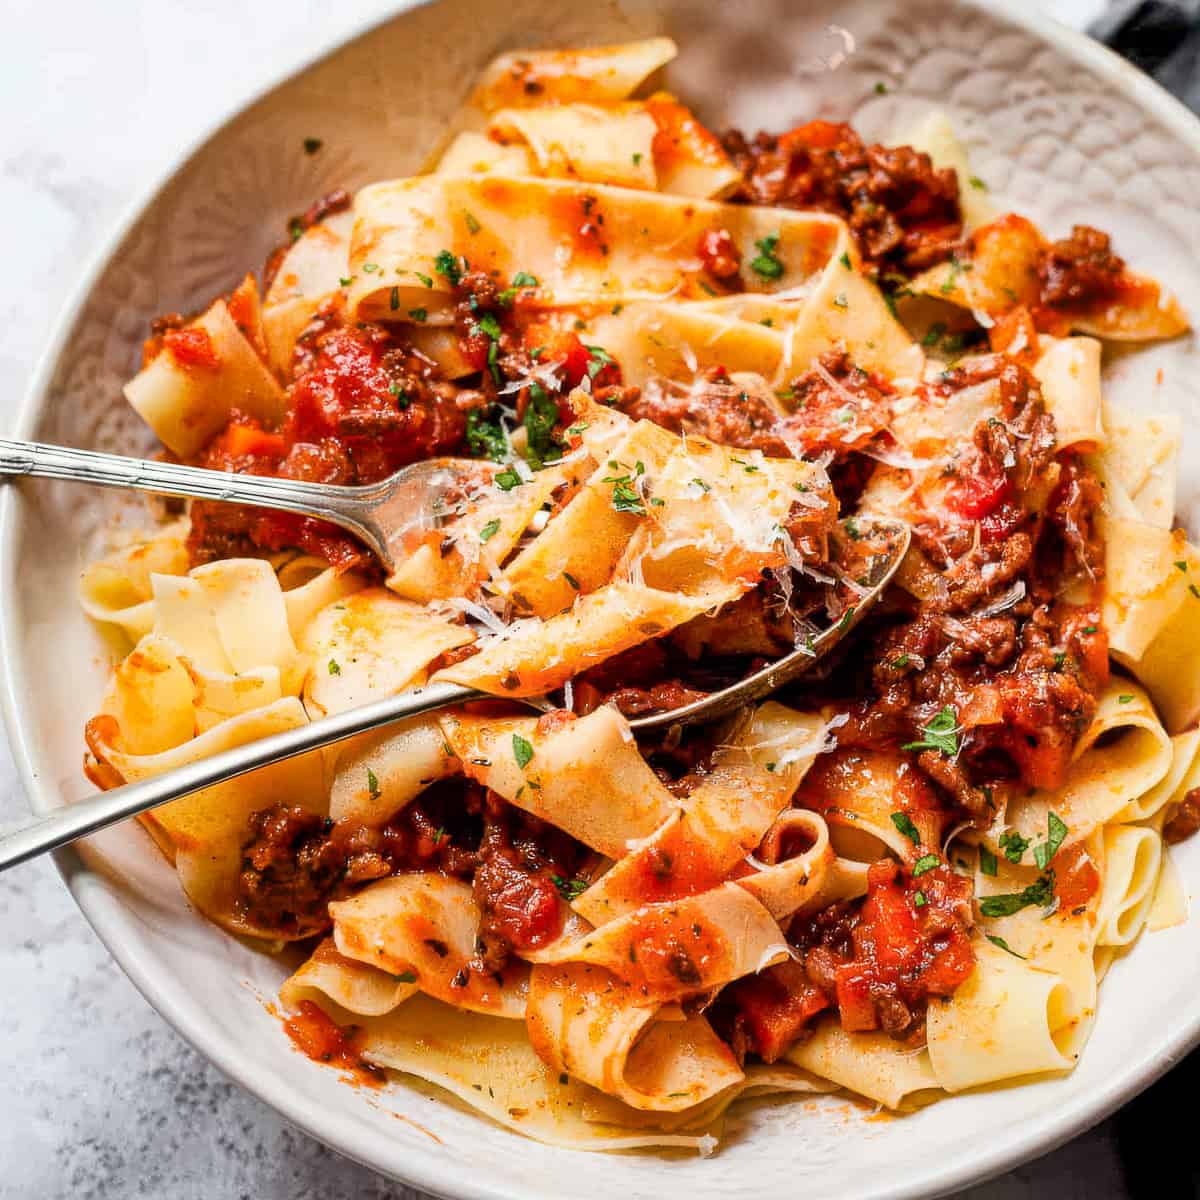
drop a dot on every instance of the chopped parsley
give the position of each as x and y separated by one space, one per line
487 438
626 498
394 302
490 530
767 264
845 260
1013 845
924 864
345 280
902 661
1091 629
977 183
637 157
569 889
1056 834
473 225
999 941
951 280
522 750
940 734
403 400
425 279
1126 698
934 334
507 479
370 268
418 314
446 264
372 784
881 88
541 416
334 667
919 899
903 822
987 861
700 483
598 359
1039 893
295 229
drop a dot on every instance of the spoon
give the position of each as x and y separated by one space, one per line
69 823
379 514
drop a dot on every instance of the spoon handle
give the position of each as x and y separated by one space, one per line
97 812
344 506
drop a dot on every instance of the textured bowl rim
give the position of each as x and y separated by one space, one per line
342 1132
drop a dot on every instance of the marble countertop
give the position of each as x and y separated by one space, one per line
103 1100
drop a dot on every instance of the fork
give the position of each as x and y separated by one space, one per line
379 514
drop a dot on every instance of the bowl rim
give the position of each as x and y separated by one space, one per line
439 1174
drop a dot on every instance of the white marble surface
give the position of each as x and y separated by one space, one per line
103 1101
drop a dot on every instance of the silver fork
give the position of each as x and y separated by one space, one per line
379 514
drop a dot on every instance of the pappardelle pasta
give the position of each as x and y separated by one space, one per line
692 370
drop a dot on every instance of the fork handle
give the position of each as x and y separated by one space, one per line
344 506
97 812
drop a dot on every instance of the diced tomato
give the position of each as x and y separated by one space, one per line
978 495
775 1006
855 1002
240 441
576 359
1076 879
191 347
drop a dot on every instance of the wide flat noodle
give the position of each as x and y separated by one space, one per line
753 774
370 645
1133 859
378 774
488 1063
185 403
1068 370
592 74
644 247
583 1021
312 270
1061 942
1008 1019
871 1064
676 948
1142 455
586 777
354 986
117 589
425 925
533 657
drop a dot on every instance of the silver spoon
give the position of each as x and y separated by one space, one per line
379 514
69 823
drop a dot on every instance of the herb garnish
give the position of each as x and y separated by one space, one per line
490 530
903 822
1040 893
522 750
767 264
940 734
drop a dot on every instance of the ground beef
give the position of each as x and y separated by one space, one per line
294 863
1186 819
904 213
1079 270
835 406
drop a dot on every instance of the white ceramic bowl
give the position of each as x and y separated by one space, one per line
1056 126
